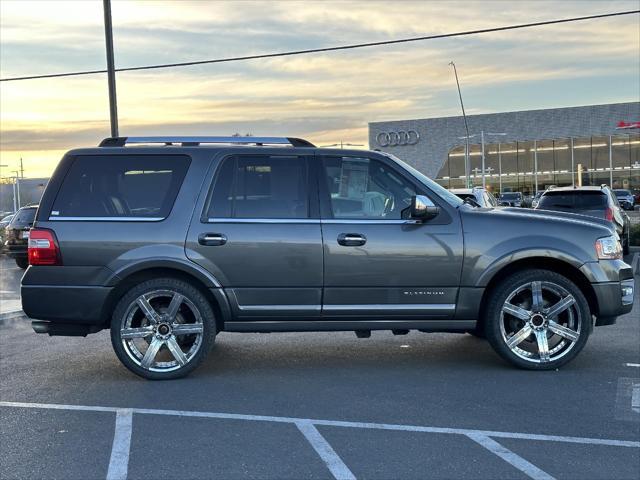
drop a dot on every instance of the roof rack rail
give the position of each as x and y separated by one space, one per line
195 141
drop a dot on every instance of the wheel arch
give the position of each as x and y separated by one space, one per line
133 276
562 267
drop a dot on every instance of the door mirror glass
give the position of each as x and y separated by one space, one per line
422 208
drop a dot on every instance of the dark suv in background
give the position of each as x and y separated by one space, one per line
511 199
598 202
16 235
169 243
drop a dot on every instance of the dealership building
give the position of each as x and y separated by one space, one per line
523 151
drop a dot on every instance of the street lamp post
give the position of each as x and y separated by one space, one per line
16 191
467 163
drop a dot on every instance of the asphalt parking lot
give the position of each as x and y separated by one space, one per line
318 405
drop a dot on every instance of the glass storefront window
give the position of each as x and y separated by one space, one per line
546 164
582 156
562 161
511 166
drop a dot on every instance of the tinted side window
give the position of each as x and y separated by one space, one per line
136 186
261 186
365 188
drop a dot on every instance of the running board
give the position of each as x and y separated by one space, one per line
345 326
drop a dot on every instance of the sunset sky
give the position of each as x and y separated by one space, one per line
326 98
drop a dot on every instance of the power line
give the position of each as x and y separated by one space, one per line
328 49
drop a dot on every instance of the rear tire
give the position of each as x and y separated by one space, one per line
626 244
537 319
22 262
163 329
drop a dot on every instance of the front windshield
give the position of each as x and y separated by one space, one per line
622 193
438 189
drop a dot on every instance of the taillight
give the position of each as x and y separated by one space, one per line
608 214
43 247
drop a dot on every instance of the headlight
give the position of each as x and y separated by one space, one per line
608 248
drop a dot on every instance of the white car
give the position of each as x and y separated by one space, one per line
480 195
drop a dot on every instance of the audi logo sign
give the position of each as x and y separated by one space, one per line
399 138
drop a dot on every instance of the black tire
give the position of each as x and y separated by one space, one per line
579 311
194 298
625 244
22 262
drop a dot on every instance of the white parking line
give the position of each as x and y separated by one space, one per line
335 423
633 365
119 461
328 455
510 457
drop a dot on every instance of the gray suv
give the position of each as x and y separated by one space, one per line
169 242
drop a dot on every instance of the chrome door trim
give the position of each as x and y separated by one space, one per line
264 220
348 325
107 219
334 221
392 306
279 308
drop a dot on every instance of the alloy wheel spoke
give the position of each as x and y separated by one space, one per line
563 331
516 311
186 328
176 351
147 309
536 296
519 337
561 306
150 354
174 306
543 345
127 333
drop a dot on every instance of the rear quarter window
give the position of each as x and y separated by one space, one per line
120 187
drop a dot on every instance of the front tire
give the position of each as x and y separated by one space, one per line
537 319
163 329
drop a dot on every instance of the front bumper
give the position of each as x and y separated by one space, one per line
614 287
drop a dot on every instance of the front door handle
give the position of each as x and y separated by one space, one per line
212 239
351 239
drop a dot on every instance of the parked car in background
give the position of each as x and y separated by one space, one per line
168 244
17 235
478 194
536 198
598 202
625 198
511 199
3 225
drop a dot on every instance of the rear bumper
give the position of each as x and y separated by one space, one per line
15 251
69 305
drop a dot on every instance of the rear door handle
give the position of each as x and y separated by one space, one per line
212 239
351 239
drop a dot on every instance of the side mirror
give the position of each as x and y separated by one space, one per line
422 208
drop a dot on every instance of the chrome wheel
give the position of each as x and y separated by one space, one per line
540 322
161 331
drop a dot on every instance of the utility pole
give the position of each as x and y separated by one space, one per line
16 192
111 73
467 164
21 168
